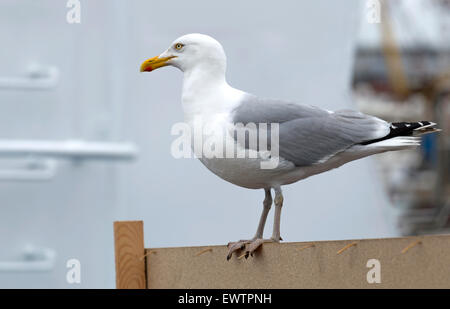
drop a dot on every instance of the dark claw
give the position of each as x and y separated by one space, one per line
228 257
246 254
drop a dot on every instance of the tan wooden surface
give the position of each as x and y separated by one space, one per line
411 262
129 254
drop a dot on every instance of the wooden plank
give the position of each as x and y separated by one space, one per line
129 251
410 262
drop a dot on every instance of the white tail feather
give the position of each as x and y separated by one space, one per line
426 130
399 142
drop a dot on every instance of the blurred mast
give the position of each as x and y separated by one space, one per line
392 55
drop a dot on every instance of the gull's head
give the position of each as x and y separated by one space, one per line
189 52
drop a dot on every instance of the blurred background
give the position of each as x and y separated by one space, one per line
85 138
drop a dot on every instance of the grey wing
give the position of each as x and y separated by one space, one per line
270 110
307 134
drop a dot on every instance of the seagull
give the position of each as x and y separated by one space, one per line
309 140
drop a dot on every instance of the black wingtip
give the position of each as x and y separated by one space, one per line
402 129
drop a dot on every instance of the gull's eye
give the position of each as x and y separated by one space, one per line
178 46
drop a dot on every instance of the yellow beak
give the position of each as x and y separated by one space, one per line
154 63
